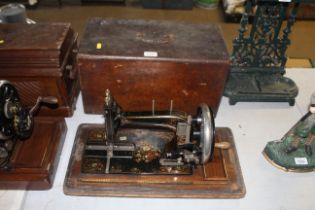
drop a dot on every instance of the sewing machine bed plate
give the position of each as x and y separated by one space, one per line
34 161
222 178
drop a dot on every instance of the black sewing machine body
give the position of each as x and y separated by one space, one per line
16 121
29 146
162 142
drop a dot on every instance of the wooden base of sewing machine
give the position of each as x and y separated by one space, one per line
221 178
34 161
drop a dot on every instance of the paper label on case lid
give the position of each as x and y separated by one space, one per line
150 54
300 161
123 138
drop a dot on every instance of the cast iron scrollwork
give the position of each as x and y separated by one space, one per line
263 48
259 55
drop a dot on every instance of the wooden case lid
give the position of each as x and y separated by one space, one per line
34 45
159 40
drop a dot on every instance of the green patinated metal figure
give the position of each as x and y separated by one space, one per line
294 152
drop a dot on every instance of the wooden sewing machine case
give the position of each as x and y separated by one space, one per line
144 61
39 60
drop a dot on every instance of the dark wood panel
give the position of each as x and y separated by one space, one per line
43 65
190 66
31 44
171 40
34 161
135 84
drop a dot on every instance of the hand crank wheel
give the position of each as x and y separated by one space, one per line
207 132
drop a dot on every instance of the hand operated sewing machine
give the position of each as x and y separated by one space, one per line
154 154
163 142
16 121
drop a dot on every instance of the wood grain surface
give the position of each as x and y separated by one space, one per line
34 161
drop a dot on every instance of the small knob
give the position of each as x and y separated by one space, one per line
222 145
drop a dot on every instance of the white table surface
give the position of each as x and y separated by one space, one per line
253 125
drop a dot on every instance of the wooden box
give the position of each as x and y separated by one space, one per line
152 62
34 161
40 60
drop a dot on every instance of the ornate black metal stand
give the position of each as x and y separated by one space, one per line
259 57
